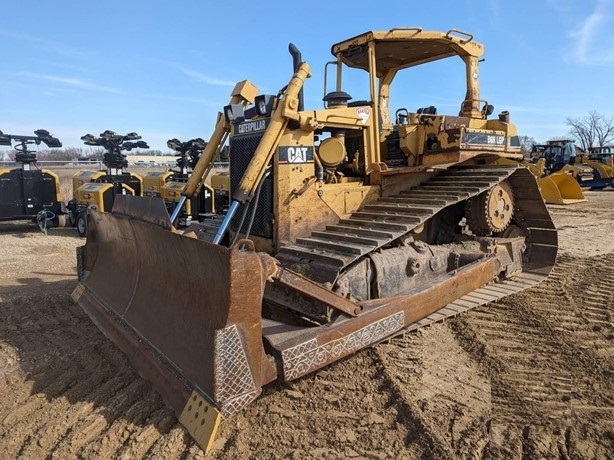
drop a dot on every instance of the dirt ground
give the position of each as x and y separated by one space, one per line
528 377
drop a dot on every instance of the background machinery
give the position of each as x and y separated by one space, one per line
348 224
199 206
98 189
601 161
28 192
602 153
211 200
559 176
153 182
563 157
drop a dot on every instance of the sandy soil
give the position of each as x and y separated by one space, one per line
531 376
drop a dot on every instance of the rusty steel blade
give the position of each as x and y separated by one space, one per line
187 312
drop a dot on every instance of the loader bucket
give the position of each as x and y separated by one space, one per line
560 188
184 327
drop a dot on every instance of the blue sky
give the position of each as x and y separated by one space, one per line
165 69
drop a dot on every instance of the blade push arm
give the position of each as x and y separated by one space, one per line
287 109
243 92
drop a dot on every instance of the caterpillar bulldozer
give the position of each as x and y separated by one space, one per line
348 225
28 192
98 189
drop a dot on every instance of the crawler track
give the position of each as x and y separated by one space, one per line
390 218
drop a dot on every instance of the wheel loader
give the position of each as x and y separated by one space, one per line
562 161
98 189
558 177
28 192
349 224
601 161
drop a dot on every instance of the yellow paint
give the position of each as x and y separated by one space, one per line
201 419
84 177
153 182
56 178
93 194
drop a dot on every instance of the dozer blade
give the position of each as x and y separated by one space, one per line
560 188
186 312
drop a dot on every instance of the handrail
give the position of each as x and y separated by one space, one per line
461 33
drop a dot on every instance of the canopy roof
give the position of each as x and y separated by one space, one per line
405 47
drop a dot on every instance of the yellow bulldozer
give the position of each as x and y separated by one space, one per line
347 225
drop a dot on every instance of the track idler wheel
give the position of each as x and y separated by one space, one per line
491 211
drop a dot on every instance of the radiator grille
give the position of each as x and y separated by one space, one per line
242 149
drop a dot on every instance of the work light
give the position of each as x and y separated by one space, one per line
265 104
234 113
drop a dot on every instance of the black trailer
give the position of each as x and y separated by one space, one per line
28 192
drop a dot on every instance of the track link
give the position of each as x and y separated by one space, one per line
325 254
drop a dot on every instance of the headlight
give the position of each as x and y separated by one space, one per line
234 113
264 104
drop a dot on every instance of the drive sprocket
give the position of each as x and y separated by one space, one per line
491 211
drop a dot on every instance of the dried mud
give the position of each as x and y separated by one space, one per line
530 376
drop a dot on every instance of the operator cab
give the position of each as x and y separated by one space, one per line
423 137
603 154
557 154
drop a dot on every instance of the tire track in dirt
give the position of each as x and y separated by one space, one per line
588 327
343 411
445 396
50 410
175 444
58 409
24 329
63 418
141 441
537 359
541 352
106 423
96 426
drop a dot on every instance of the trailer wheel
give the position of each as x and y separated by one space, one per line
72 218
82 223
